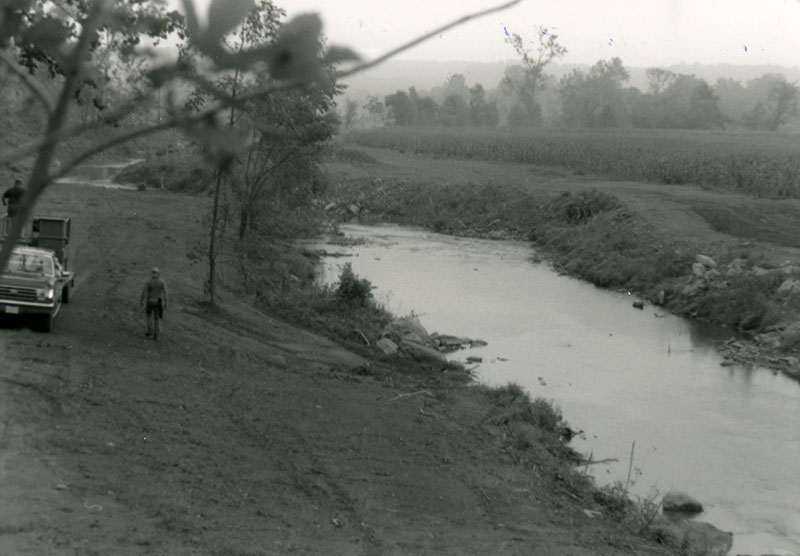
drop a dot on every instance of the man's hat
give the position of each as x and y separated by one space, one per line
155 270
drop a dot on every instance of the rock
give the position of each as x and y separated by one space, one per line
768 339
790 336
699 537
407 329
474 359
694 288
759 271
424 354
478 343
386 346
677 501
705 260
377 181
453 342
712 274
330 206
789 286
750 320
661 298
698 269
735 267
354 209
638 304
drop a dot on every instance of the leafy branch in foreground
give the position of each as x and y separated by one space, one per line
32 36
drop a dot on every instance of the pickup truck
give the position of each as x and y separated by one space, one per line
35 282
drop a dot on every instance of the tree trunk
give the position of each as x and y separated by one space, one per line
212 244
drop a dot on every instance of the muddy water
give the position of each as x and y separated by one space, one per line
730 436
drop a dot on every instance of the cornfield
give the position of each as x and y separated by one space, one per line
760 164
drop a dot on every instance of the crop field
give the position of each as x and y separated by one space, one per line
756 163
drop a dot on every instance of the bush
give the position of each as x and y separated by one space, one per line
353 290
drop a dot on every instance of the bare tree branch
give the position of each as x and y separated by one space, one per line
411 44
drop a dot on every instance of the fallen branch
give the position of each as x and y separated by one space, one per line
362 336
411 394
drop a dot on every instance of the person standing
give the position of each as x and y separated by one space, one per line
154 299
13 198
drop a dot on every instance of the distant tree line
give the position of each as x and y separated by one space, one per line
599 97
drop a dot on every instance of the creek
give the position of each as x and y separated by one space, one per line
729 436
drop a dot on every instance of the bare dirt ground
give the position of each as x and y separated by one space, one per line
237 434
766 228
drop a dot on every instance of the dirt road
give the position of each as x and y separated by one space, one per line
238 434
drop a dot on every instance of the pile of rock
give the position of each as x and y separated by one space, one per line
698 536
408 337
705 276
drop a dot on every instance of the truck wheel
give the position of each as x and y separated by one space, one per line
65 294
47 322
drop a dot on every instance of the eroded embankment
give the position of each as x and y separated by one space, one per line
596 236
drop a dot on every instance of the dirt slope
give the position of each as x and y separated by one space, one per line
237 434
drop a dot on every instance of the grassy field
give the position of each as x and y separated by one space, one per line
760 164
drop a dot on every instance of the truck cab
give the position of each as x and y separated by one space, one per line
36 280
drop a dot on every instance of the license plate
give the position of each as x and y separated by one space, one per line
12 310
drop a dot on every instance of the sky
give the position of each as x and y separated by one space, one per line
641 32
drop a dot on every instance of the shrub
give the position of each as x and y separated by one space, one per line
353 290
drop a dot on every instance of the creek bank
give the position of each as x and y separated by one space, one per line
408 337
592 235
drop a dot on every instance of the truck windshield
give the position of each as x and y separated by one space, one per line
27 264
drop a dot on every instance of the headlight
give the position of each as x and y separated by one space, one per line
45 294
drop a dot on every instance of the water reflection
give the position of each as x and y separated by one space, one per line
727 435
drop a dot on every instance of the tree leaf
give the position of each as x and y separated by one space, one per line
295 54
224 15
336 54
47 34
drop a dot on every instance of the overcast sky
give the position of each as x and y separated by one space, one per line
640 32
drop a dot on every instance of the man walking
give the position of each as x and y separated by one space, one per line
13 198
154 299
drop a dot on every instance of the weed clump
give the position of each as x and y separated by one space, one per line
353 290
513 405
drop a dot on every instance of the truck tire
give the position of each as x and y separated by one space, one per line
65 293
46 324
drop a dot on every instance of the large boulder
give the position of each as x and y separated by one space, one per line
407 329
705 260
735 267
386 346
699 537
677 501
424 355
699 269
789 286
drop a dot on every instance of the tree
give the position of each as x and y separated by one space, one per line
350 114
659 79
775 102
376 109
596 98
454 111
401 108
287 131
676 101
481 112
533 62
31 36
